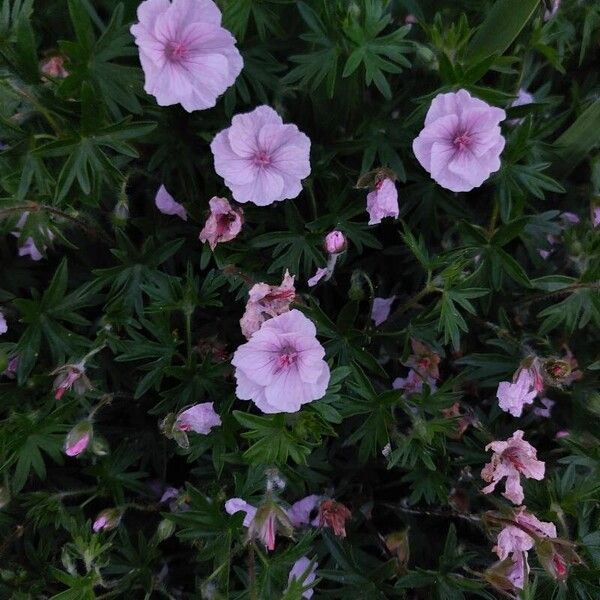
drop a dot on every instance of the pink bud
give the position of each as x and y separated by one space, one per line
107 519
78 439
335 242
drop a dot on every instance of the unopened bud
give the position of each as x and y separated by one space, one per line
107 519
100 446
121 212
557 369
335 242
78 439
556 555
398 543
165 529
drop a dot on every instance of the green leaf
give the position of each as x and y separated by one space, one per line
502 25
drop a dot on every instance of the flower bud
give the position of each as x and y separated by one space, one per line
121 212
557 369
100 446
508 575
78 438
107 519
335 242
555 555
269 519
165 530
398 543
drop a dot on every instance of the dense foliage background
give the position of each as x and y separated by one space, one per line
156 313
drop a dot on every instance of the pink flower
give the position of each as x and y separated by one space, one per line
187 57
70 376
413 383
513 539
523 98
281 367
381 309
320 273
223 224
234 505
167 205
3 324
596 216
511 459
544 253
569 218
382 201
519 571
335 242
261 159
548 14
266 301
461 142
299 512
107 519
53 66
512 397
200 418
78 439
306 573
545 412
29 248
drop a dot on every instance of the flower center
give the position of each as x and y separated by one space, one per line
287 357
176 51
462 141
262 159
513 457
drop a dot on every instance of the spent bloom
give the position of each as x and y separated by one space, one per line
381 309
78 439
305 572
335 242
261 159
167 205
54 66
512 397
461 142
511 459
70 376
413 383
383 201
200 418
423 360
334 515
223 224
281 367
266 301
187 57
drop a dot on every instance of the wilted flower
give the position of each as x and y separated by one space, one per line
261 159
334 515
53 66
70 376
398 543
382 201
381 309
3 324
335 242
511 459
200 418
78 438
462 421
512 397
107 519
320 273
423 360
187 57
281 367
167 205
223 224
556 555
266 301
269 520
461 142
305 572
413 383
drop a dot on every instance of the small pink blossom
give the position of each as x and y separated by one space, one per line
187 57
549 13
461 142
261 159
3 324
545 412
28 248
234 505
106 520
281 367
167 205
383 201
299 512
596 216
569 218
223 224
518 573
200 418
523 98
53 66
70 376
304 571
511 459
544 253
381 309
413 383
335 242
320 273
266 301
512 397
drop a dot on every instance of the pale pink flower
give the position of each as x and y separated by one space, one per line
234 505
187 57
383 201
266 301
281 367
299 512
70 376
200 418
305 572
549 13
28 248
544 253
223 224
569 218
545 412
596 216
461 142
335 242
381 309
167 205
53 66
261 159
3 324
523 98
519 571
413 383
78 439
511 459
320 273
512 397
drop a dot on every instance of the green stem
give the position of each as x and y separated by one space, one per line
493 217
188 334
38 106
